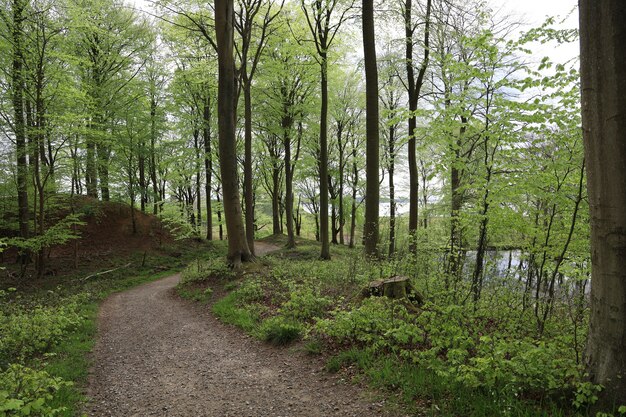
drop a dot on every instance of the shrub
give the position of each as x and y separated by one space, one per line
25 333
304 304
249 292
28 392
280 330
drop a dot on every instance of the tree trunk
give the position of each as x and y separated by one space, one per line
414 87
392 191
196 144
238 250
603 59
208 165
355 183
275 199
21 150
323 163
287 123
153 167
103 156
91 176
455 206
370 229
247 164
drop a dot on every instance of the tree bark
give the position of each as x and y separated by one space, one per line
287 124
247 165
238 250
21 150
370 229
323 162
208 164
414 86
603 59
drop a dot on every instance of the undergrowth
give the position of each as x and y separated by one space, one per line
449 358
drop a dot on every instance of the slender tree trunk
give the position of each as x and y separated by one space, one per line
103 157
247 164
275 198
196 143
287 125
219 214
603 59
392 190
455 206
414 87
355 183
21 150
370 229
141 166
208 165
91 176
238 250
323 163
153 167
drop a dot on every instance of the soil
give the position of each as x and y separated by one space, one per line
158 355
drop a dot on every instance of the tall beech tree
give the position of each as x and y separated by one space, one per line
19 124
372 197
324 26
414 84
238 250
249 52
603 60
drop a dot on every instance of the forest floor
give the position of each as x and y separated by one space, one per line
157 354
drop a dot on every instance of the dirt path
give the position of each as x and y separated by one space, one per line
157 355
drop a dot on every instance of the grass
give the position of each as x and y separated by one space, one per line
227 310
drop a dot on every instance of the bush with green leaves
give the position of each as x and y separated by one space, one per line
249 292
305 303
26 332
280 330
378 323
28 392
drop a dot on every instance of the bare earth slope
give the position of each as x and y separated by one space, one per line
157 355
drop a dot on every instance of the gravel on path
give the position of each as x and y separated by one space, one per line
158 355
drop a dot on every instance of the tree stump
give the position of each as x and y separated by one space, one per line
397 288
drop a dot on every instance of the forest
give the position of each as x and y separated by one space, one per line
401 189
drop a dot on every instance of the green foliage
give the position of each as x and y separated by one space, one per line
60 233
26 332
28 392
304 304
279 330
199 270
249 292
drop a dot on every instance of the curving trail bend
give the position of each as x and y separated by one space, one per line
158 355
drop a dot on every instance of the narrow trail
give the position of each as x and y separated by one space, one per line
158 355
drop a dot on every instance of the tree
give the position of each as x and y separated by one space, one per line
414 86
109 40
603 59
238 250
323 28
249 53
19 126
370 229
